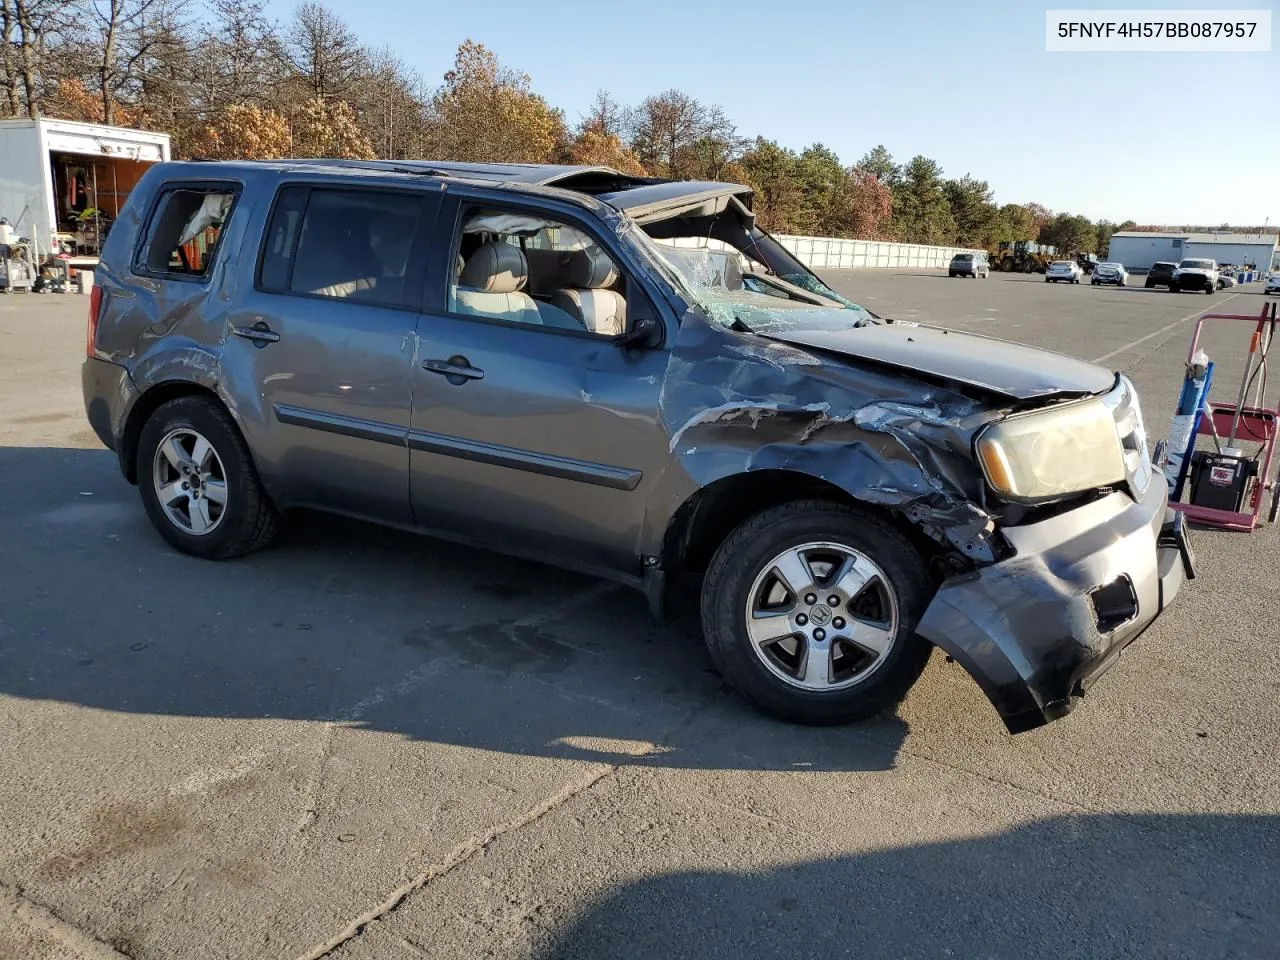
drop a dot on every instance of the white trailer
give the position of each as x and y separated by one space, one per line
63 183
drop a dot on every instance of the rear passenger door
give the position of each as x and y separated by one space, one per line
323 338
534 424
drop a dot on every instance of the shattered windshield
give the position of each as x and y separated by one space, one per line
717 282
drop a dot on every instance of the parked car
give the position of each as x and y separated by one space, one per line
523 357
1059 270
1273 283
1196 275
1226 280
1161 275
969 265
1110 272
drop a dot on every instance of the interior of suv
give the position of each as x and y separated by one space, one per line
528 269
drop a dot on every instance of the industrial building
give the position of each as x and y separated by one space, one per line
1138 251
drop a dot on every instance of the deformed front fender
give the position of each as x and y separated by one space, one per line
733 404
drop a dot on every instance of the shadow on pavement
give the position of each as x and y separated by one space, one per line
348 622
1078 886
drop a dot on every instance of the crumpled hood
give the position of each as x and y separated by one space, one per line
1009 369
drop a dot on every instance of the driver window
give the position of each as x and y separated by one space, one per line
529 269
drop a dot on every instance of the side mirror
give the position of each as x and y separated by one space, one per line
645 334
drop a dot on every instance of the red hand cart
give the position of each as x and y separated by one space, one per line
1240 421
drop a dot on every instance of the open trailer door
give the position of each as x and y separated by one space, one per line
91 170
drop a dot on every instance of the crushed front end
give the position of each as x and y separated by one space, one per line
1036 628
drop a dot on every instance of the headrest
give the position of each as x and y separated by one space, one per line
590 269
495 268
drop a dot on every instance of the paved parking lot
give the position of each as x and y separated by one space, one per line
362 744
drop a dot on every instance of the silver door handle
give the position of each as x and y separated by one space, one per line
259 333
454 367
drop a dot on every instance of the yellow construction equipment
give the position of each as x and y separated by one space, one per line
1022 256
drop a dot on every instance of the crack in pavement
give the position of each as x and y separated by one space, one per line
459 855
468 848
16 904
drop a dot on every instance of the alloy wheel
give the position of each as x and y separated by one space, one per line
190 482
822 616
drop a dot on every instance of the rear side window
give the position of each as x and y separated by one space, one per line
342 244
185 229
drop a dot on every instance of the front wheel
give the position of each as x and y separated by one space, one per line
809 610
198 483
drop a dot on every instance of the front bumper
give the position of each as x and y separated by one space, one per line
1193 281
1035 630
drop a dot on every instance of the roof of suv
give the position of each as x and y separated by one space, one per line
637 195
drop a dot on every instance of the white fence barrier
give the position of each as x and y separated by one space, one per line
833 252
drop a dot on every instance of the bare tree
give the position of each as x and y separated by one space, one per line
239 57
29 43
606 117
322 50
9 100
126 42
386 98
680 137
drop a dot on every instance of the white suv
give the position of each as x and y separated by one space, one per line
1195 275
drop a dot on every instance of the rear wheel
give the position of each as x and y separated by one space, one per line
1149 285
809 610
198 483
1208 289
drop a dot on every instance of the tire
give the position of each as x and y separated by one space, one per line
1093 283
1076 280
246 520
1149 285
1048 280
951 275
733 584
1208 289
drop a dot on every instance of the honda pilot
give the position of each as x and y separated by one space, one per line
628 377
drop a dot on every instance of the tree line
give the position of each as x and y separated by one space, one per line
226 81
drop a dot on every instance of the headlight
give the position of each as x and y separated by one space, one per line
1051 453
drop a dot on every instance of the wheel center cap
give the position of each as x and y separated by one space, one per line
820 615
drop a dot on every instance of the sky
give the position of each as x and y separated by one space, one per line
1166 138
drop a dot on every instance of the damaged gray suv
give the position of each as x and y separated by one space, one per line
628 377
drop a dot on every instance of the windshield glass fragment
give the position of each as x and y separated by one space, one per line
733 296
